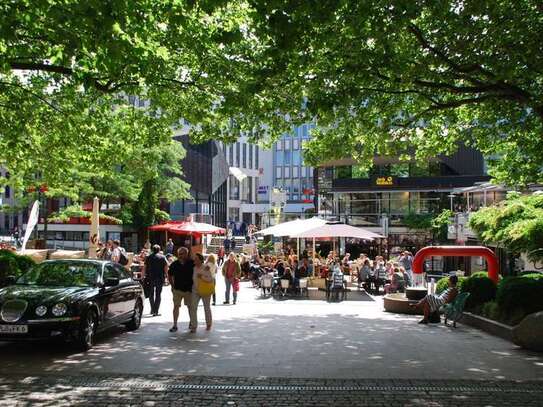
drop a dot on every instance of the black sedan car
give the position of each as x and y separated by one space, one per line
73 299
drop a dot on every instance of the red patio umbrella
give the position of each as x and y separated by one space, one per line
188 228
166 226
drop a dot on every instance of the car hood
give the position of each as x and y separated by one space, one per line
44 295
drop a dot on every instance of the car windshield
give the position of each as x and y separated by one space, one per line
61 274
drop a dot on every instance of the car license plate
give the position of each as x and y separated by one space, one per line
14 329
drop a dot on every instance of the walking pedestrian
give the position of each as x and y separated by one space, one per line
212 263
406 261
155 270
180 276
226 245
118 253
202 288
169 247
220 256
231 271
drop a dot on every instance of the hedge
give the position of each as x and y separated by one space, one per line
443 283
481 288
12 264
519 296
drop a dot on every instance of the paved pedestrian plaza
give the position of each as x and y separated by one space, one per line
289 351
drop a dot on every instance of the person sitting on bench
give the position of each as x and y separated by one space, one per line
432 302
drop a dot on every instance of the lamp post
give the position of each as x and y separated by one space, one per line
451 196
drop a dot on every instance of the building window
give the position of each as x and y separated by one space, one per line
234 188
237 154
233 214
279 157
304 172
296 157
231 155
7 191
295 186
295 144
305 131
257 158
287 172
247 189
250 156
310 169
278 172
279 145
287 144
244 155
287 157
295 173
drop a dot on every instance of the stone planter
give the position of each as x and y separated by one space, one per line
399 304
416 293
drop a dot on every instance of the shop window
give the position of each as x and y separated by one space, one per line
342 172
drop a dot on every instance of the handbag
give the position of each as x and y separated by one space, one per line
235 284
205 288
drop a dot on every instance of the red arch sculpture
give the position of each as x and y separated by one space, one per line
450 251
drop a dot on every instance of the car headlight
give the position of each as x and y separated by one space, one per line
41 310
59 309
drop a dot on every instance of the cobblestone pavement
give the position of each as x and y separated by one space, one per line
147 390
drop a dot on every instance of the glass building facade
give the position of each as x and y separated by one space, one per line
289 171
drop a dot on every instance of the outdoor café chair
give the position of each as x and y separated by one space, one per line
266 285
303 287
453 311
284 286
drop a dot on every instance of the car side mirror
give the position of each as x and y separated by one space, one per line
111 282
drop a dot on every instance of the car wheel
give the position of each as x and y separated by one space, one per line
135 322
87 331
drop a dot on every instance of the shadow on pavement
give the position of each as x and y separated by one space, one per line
335 345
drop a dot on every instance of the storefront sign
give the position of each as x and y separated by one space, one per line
384 181
263 189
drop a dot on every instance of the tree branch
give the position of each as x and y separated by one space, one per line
15 85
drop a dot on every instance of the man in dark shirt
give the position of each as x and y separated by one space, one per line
154 270
180 277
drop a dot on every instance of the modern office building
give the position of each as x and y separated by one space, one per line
255 172
385 198
206 170
246 172
290 172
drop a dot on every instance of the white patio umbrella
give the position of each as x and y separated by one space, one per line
293 227
94 235
336 230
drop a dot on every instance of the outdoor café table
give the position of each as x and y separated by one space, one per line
136 270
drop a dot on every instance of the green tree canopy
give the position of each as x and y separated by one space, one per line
409 78
412 78
516 223
69 71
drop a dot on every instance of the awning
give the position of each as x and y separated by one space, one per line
238 173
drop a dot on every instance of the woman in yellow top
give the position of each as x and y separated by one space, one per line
202 273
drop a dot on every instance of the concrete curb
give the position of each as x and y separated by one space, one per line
489 326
